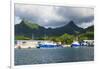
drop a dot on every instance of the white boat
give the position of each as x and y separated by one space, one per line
75 44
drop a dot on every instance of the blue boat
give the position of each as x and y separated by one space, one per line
49 45
75 44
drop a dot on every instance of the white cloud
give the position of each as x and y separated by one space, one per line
45 13
85 25
17 20
82 12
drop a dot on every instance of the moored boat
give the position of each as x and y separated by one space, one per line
75 44
49 45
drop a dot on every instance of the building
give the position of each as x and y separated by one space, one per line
26 43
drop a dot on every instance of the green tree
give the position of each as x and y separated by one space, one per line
87 35
66 38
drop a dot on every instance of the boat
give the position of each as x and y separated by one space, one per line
49 45
75 44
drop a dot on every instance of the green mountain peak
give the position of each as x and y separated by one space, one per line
30 24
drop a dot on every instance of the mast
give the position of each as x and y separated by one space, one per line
32 36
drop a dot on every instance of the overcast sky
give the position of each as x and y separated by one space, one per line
54 16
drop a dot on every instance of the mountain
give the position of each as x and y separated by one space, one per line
90 29
70 28
88 33
27 28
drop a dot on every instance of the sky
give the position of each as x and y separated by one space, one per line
54 16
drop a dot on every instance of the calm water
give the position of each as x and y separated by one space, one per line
41 56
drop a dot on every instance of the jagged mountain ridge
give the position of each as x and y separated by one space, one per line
29 29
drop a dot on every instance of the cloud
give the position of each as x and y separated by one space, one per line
17 20
86 24
78 15
54 16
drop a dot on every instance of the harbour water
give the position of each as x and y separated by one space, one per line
59 55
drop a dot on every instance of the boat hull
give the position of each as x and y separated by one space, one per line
49 46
